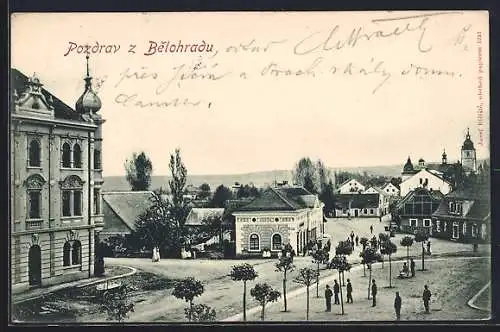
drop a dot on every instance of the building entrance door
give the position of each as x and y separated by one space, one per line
35 266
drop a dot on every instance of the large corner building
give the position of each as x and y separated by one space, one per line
55 183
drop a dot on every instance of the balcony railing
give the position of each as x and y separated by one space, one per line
34 224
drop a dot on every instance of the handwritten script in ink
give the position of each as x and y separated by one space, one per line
365 53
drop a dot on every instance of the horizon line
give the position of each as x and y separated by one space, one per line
291 169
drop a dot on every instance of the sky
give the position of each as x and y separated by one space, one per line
353 89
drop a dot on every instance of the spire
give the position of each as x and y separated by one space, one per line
89 101
408 167
88 78
87 57
468 145
444 156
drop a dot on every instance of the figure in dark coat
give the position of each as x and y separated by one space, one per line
397 306
426 296
357 241
371 229
412 267
328 297
374 293
349 291
336 290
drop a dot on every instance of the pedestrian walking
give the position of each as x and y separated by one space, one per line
397 306
374 293
328 297
426 296
428 247
349 291
352 236
371 229
412 267
336 290
357 241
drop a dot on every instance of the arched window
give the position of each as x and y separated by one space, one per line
34 198
34 185
77 202
276 242
77 156
66 155
76 257
97 159
34 153
254 242
67 254
97 201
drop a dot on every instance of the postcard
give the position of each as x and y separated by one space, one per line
249 166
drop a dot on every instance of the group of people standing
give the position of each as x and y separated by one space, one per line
335 293
353 239
398 302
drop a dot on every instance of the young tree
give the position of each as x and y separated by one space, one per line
179 209
388 248
407 242
138 171
285 265
221 195
341 265
204 191
264 293
200 313
382 239
369 256
343 249
421 237
319 257
393 209
243 272
187 289
364 242
116 303
306 277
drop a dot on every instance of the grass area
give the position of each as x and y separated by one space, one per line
82 304
115 270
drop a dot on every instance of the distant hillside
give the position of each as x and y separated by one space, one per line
259 179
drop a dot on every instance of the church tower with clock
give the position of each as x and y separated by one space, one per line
468 155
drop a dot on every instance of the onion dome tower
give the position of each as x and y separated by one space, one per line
89 102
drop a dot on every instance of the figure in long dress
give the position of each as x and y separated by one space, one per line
156 254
